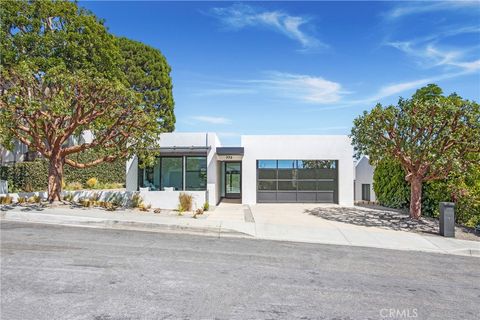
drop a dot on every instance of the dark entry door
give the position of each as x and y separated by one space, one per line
366 192
233 183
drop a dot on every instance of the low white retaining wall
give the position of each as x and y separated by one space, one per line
169 199
157 199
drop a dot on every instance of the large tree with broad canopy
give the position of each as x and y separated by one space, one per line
430 134
63 74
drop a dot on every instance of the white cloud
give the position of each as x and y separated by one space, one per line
396 88
212 120
239 16
425 6
303 88
430 55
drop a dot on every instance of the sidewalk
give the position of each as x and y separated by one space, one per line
128 220
229 221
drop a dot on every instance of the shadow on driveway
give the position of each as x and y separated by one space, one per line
387 219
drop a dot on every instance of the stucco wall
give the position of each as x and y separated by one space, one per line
183 139
169 199
364 175
298 148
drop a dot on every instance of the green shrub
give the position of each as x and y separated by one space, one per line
92 183
85 203
6 200
461 187
74 186
180 209
33 175
206 206
391 189
186 201
137 200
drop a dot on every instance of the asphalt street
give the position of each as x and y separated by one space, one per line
57 272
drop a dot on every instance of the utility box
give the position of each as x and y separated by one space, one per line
447 219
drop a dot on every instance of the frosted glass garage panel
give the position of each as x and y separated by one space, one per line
297 181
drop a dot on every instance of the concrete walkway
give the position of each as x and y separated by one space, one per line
285 222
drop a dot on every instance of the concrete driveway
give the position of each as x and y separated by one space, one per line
304 222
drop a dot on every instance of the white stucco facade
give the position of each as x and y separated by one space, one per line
180 143
298 147
364 176
252 149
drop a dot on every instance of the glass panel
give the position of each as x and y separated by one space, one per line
304 174
267 185
267 173
267 164
232 167
148 177
307 185
196 163
316 164
196 175
325 185
325 173
286 164
233 182
286 174
171 173
232 177
287 185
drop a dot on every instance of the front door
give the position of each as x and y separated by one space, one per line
233 181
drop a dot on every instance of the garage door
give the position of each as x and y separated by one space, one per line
297 181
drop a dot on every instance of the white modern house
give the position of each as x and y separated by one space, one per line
263 169
364 181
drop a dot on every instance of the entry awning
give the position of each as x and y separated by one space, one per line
230 153
184 151
237 151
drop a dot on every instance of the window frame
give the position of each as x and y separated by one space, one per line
186 188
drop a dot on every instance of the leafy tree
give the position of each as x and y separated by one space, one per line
430 135
148 73
63 74
389 184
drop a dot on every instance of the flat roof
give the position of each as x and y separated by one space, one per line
183 150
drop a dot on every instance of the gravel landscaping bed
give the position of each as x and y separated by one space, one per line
387 218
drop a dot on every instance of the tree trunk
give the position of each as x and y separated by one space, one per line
55 177
415 197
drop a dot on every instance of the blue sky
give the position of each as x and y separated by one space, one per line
300 67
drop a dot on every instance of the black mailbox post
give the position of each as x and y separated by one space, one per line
447 219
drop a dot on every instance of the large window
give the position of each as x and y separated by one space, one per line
196 174
172 171
149 177
297 181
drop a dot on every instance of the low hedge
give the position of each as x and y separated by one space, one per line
33 175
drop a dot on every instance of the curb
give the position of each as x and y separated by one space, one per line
466 252
117 224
